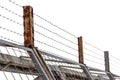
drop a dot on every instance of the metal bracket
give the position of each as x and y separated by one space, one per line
85 69
110 76
6 66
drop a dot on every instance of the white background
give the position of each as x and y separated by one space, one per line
97 21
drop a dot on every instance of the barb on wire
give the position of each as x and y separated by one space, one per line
10 40
13 2
93 61
93 56
92 51
11 20
56 41
55 25
115 62
115 58
11 31
10 11
55 33
55 48
93 46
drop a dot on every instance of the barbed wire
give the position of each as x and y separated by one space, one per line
93 56
11 31
92 51
46 20
56 48
56 41
11 20
10 40
115 58
93 61
55 33
13 2
117 68
10 11
93 46
55 25
115 62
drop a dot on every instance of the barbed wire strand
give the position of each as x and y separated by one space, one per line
10 11
56 48
55 25
115 58
92 51
11 20
93 56
115 65
93 46
11 31
50 23
55 33
115 62
46 20
56 41
93 61
10 40
13 2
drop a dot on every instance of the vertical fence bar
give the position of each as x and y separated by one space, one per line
28 27
81 58
80 50
107 65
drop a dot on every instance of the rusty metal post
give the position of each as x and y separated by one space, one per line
107 65
28 27
29 43
80 50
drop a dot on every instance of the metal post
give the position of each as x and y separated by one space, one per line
80 50
107 65
29 43
28 27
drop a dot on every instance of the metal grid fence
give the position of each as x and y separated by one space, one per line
15 64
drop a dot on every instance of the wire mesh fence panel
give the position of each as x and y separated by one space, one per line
63 69
16 64
98 74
